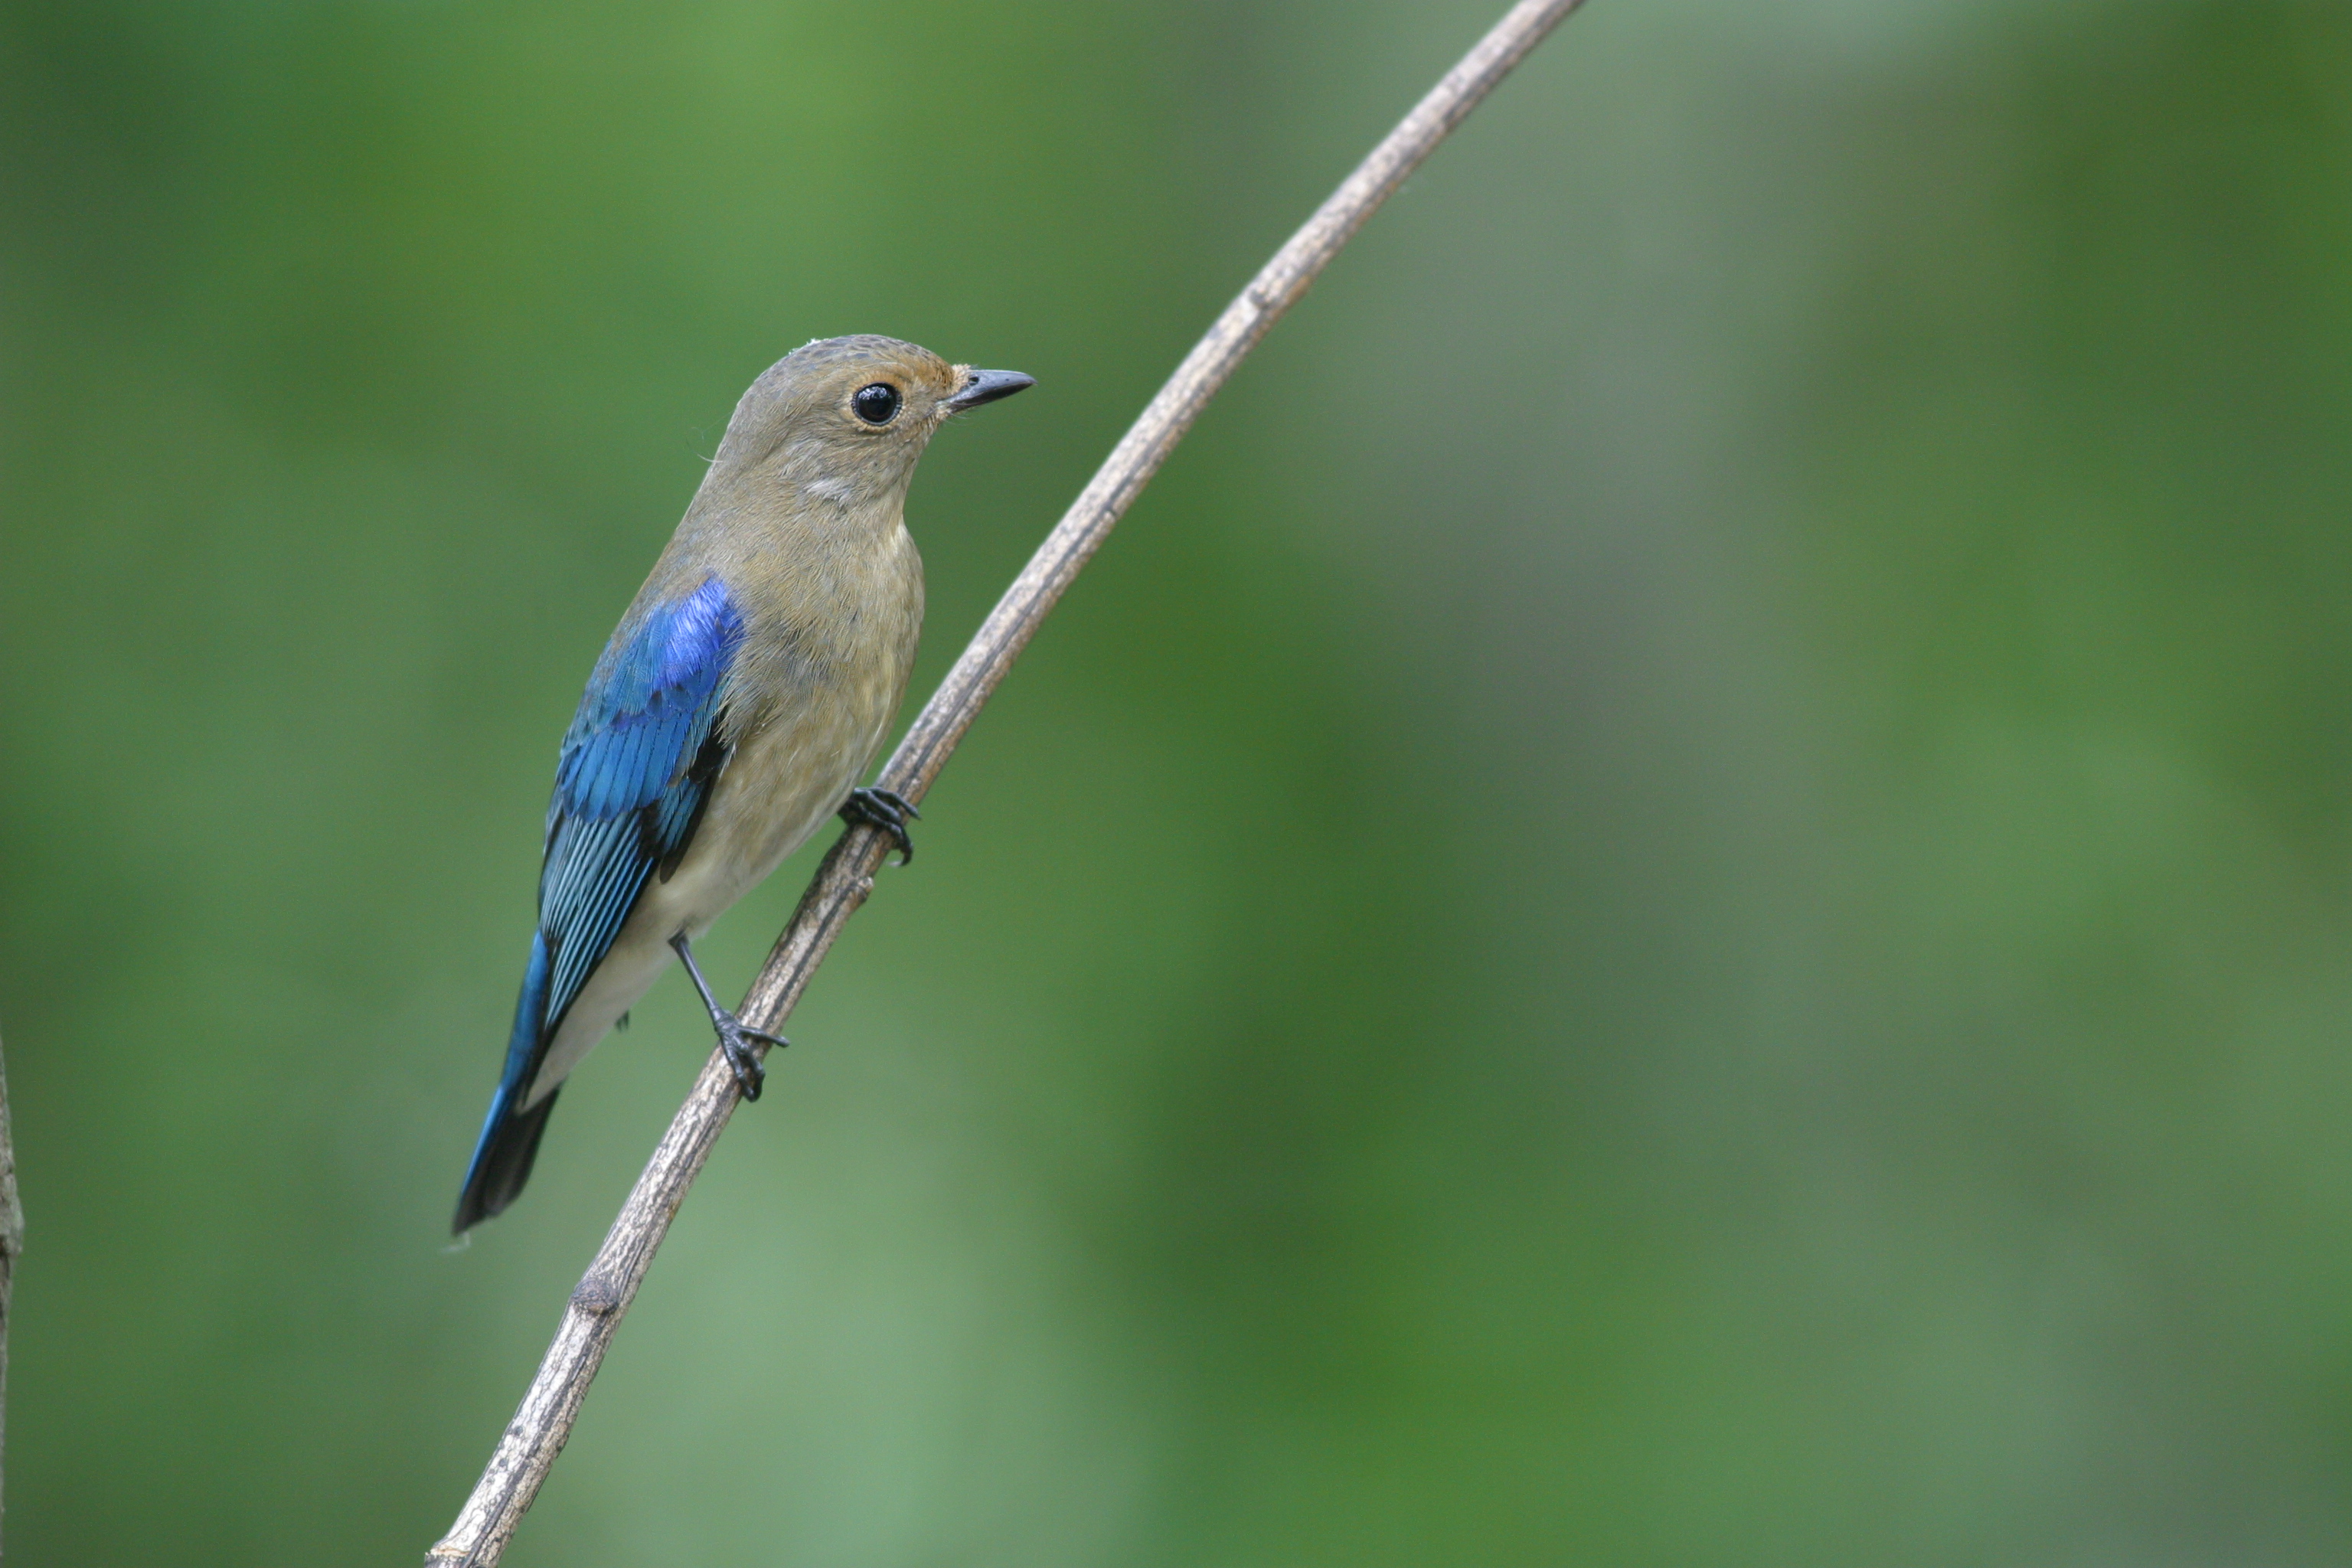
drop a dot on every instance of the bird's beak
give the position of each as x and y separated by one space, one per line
986 387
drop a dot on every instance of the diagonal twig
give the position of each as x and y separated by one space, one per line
11 1238
542 1423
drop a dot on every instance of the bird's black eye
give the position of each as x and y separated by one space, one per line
875 404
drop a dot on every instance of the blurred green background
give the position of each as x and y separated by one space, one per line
1679 897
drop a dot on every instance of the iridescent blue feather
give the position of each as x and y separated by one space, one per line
635 771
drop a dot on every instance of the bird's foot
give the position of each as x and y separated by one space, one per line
735 1038
735 1035
885 809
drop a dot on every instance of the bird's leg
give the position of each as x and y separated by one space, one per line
885 809
735 1036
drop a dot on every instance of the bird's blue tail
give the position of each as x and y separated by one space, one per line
509 1140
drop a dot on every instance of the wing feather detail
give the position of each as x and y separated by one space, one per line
636 770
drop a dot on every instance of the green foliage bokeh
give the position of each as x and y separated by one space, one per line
1678 897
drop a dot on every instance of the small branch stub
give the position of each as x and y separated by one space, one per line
537 1432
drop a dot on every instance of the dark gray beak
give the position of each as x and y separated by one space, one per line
986 387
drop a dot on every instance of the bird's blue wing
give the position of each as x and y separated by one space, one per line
638 767
636 770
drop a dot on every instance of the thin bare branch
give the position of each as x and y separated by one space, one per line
543 1422
12 1243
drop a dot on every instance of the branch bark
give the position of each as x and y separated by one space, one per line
12 1243
543 1422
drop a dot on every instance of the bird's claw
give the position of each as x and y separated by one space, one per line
735 1035
885 809
735 1038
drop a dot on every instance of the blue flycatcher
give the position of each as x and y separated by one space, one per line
739 701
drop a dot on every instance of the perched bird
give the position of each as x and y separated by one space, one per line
739 701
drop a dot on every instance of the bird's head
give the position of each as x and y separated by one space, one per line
843 420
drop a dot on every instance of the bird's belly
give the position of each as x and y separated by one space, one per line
784 780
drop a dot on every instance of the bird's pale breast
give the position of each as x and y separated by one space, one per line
807 714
